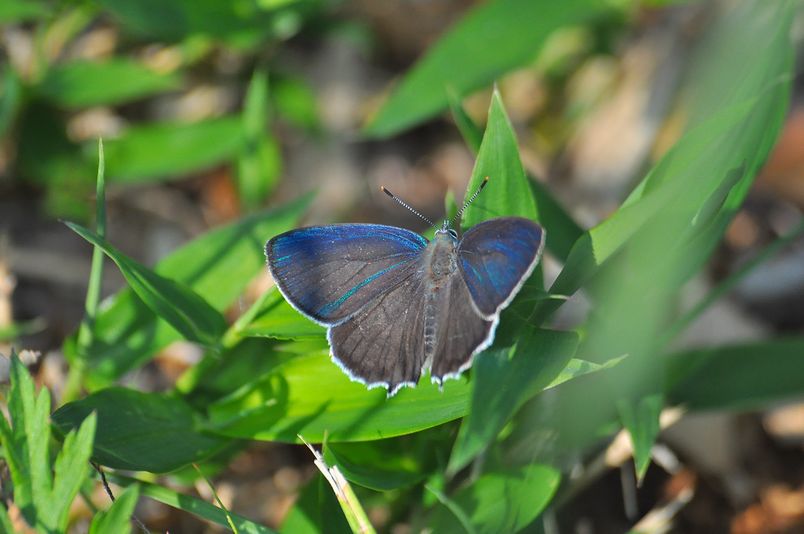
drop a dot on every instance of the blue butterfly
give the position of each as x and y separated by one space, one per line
395 304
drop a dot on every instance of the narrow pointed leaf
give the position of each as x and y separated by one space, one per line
71 470
89 83
217 265
501 385
465 59
640 418
117 519
501 501
508 192
174 302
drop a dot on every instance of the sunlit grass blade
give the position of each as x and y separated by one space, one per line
508 192
117 519
561 227
87 326
192 505
176 303
465 59
217 265
259 162
641 418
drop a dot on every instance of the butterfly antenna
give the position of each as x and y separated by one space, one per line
402 203
457 216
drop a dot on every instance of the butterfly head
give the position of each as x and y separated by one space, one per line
446 230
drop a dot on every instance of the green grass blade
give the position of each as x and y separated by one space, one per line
192 505
507 192
561 227
217 265
501 385
174 302
501 501
259 164
86 329
492 39
117 519
641 418
748 376
82 83
71 469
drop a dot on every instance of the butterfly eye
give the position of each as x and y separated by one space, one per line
453 233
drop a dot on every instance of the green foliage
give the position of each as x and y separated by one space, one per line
260 162
492 39
182 149
117 518
486 452
500 500
83 83
44 486
176 303
498 160
216 266
140 431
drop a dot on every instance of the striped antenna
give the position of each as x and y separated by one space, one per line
471 199
404 204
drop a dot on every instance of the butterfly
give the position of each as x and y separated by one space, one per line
396 305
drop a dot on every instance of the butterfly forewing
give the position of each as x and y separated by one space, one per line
330 272
496 257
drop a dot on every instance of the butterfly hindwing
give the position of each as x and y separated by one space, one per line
462 332
330 272
382 343
496 257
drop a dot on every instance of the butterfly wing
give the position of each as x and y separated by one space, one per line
462 332
328 273
383 343
496 257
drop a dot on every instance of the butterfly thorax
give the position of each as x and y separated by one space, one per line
440 257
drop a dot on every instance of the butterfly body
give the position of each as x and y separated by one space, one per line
396 304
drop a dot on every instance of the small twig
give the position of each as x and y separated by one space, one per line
108 489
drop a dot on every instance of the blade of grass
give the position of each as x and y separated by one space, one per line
563 229
453 507
192 505
186 311
86 329
217 499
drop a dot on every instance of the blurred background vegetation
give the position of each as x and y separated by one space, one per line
212 112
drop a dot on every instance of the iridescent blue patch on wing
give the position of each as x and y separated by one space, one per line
332 306
329 272
495 257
